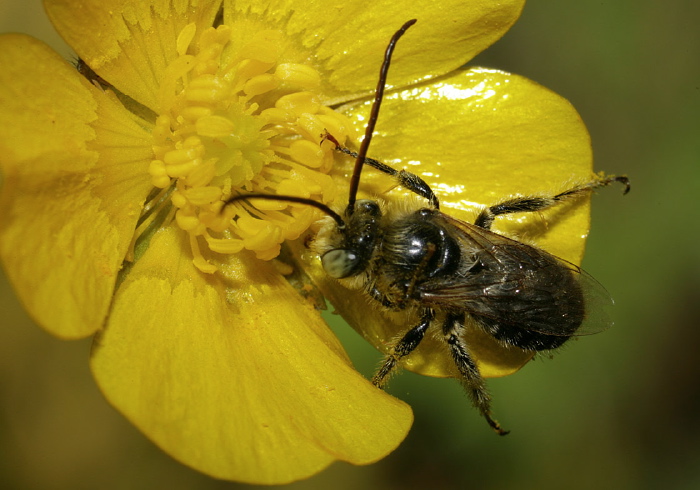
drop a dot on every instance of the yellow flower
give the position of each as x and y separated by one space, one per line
110 217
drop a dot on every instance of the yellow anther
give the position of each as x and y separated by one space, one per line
307 153
178 199
201 196
298 75
268 234
208 57
186 221
183 155
202 174
180 170
207 88
225 246
159 176
194 112
311 127
275 115
184 39
215 126
291 187
220 35
299 103
336 125
161 129
269 253
303 217
261 84
299 223
194 142
214 220
172 79
250 225
269 204
199 261
206 67
204 266
252 68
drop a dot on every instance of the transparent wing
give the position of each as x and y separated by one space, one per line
518 285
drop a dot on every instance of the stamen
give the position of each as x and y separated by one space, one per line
252 124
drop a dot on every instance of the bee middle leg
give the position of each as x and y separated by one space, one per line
539 203
471 378
402 348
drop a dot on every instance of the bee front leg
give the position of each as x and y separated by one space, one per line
471 378
402 348
404 178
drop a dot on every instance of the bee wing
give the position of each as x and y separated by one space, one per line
505 290
597 314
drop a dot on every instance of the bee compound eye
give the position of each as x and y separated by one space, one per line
340 262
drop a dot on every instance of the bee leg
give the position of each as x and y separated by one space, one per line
403 347
378 295
471 378
405 179
410 288
539 203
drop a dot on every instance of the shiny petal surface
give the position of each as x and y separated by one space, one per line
476 138
71 192
129 44
237 376
345 40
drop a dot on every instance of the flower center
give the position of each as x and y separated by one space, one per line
232 123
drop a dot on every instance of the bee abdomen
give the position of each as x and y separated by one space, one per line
533 311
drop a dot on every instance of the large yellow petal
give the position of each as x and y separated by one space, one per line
237 376
71 191
128 43
345 40
476 137
479 136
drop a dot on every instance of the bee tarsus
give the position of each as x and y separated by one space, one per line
472 381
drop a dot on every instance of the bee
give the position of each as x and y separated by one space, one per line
451 273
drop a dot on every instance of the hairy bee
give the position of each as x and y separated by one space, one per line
450 272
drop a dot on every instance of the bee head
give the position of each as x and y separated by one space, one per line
355 242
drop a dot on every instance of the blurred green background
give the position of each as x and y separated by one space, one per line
616 410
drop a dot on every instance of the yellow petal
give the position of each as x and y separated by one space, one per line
480 136
236 375
66 217
476 138
129 44
346 40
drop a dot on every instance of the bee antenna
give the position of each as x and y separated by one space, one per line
373 115
299 200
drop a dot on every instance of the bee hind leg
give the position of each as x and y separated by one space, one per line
402 348
470 377
538 203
